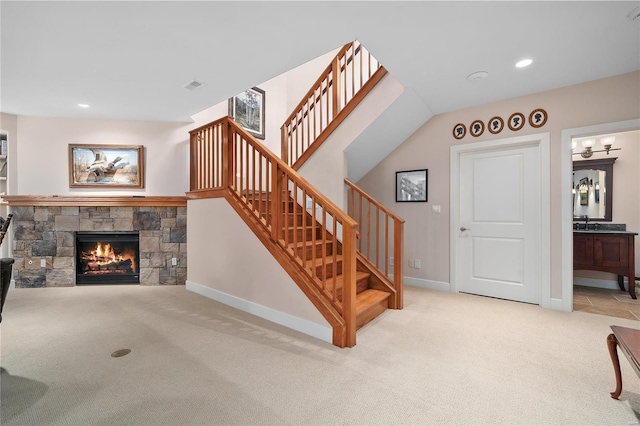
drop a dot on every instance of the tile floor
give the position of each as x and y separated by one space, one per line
615 303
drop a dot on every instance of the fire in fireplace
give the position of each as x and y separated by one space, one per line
107 258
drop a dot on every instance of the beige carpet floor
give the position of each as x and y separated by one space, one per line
446 359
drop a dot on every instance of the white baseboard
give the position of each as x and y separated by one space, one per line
560 305
599 283
295 323
428 284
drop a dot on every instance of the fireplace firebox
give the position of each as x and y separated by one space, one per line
107 257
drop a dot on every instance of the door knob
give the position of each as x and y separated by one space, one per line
462 228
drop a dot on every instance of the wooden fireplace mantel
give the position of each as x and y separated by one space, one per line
96 200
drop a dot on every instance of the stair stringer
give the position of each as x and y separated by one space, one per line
310 294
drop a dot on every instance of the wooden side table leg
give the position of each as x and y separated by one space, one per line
621 282
612 344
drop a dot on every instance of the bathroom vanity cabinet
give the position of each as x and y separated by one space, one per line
607 251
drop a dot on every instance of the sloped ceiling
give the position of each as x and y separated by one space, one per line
130 60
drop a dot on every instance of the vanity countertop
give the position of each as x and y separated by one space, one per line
604 232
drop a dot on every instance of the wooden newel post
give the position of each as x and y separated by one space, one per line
227 160
398 232
193 158
349 282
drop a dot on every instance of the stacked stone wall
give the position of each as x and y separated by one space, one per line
48 233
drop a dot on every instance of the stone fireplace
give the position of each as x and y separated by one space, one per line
107 257
45 230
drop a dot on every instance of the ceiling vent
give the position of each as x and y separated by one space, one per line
634 14
193 85
479 75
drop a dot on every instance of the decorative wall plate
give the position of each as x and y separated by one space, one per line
459 131
495 125
516 121
537 118
476 128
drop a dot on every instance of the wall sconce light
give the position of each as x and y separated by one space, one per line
588 144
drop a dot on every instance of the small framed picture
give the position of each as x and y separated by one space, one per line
248 109
459 131
537 118
476 128
496 124
516 121
411 186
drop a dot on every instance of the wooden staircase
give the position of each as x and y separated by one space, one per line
339 262
322 258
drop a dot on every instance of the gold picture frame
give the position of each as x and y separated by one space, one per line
106 166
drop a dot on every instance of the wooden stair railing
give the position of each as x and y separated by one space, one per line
381 234
306 232
352 74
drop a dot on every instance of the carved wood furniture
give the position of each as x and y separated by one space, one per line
629 341
607 251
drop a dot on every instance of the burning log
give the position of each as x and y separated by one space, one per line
94 265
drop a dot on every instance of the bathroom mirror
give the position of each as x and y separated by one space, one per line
593 189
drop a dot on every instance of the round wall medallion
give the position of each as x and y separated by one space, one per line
496 124
459 131
537 118
516 121
476 128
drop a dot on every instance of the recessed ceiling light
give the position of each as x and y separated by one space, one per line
524 63
83 105
478 75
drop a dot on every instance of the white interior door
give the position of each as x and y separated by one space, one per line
499 217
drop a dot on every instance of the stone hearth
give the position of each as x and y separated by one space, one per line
48 232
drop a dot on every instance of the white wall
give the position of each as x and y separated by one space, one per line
426 233
227 262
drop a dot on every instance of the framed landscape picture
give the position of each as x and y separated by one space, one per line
411 186
112 166
247 109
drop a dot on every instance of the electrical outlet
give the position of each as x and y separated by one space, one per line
435 209
390 261
174 261
43 263
416 263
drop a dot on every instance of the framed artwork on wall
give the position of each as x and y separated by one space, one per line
248 110
411 186
106 166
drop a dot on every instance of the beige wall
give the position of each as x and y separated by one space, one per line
43 154
227 260
426 233
9 124
327 169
